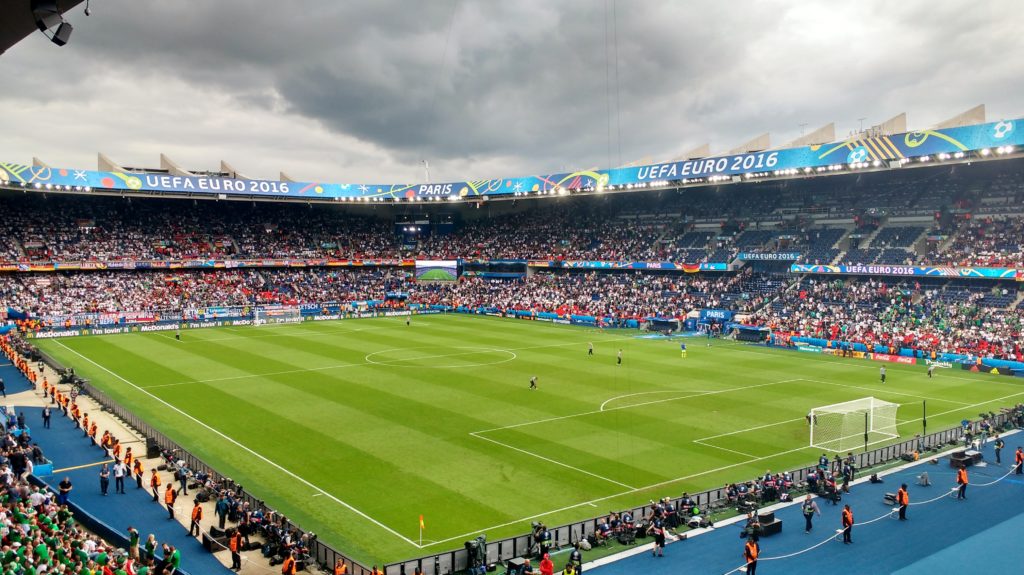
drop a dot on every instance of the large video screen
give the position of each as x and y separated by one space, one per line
437 270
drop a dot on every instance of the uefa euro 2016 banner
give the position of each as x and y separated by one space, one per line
769 256
606 265
927 271
853 150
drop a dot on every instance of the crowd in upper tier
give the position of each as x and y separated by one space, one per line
943 219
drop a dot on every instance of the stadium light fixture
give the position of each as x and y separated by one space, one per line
985 151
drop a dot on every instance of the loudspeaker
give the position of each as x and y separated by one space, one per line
773 528
46 14
63 33
515 566
152 449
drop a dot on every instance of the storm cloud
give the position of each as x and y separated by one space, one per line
362 91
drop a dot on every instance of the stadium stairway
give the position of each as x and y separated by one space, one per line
941 535
73 456
13 380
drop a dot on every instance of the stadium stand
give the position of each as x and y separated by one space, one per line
883 219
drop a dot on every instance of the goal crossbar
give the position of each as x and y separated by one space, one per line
847 425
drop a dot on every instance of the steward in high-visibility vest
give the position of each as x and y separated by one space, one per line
903 500
750 552
169 496
961 480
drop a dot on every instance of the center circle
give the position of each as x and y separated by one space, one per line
430 357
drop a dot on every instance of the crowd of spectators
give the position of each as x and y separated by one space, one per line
40 534
996 241
619 295
936 317
759 217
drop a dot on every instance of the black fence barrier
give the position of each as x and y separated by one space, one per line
714 500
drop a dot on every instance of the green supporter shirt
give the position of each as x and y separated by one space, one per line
176 559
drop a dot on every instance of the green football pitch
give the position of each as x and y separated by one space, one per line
355 428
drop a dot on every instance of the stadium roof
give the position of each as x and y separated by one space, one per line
17 21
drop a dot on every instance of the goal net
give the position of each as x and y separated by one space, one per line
277 314
852 424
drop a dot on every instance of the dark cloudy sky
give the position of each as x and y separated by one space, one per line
361 91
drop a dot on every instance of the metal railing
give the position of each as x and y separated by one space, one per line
712 499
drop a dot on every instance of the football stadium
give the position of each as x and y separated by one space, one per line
789 353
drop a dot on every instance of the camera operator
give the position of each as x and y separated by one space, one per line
541 538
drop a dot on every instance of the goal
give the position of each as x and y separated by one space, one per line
852 424
276 314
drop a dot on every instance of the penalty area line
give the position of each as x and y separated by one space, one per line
252 452
592 502
549 460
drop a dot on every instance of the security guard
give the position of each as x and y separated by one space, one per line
847 524
235 544
961 480
903 500
197 516
288 567
154 483
750 552
169 496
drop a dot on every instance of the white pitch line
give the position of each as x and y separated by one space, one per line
249 450
549 460
699 442
305 369
885 391
986 402
339 366
755 428
607 401
698 394
614 495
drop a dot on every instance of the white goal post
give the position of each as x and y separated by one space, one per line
851 424
276 314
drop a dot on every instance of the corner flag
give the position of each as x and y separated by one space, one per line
422 525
